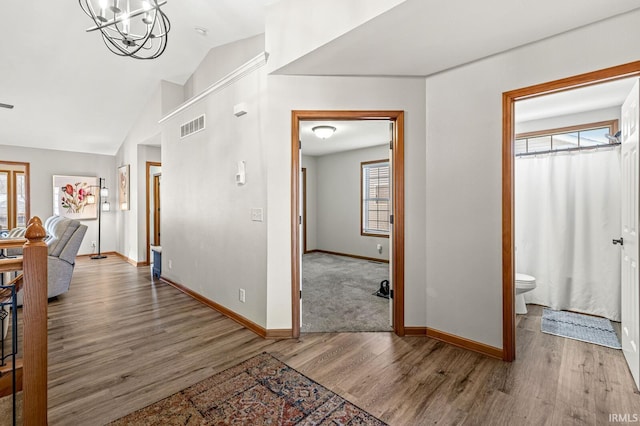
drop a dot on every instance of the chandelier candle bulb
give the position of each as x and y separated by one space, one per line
114 8
103 11
125 24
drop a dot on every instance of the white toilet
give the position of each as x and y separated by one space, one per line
524 283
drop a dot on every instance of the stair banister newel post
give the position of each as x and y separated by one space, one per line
34 311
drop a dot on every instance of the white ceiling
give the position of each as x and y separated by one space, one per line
583 99
71 93
349 135
361 134
422 37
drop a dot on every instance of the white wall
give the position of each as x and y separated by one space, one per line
220 61
339 200
44 163
286 93
463 163
208 237
310 164
297 27
141 145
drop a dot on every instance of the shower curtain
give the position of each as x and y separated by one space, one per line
567 211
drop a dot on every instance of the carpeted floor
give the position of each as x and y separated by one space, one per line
6 408
337 294
259 391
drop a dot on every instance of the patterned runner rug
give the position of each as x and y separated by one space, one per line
586 328
259 391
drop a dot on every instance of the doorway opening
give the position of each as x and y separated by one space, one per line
508 183
346 207
394 146
153 177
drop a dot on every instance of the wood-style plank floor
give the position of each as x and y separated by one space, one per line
119 341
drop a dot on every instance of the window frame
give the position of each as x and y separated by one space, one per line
13 169
611 124
363 220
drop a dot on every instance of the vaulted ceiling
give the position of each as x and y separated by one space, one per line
71 93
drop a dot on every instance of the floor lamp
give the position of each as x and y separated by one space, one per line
104 206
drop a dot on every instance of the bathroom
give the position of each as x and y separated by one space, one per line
568 201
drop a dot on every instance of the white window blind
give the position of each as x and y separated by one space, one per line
375 198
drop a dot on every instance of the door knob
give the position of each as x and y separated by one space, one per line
620 241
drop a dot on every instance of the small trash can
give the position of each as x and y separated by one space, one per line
156 266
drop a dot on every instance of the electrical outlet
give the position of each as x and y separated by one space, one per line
93 244
170 264
257 215
241 295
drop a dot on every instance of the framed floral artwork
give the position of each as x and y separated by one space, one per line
123 187
75 196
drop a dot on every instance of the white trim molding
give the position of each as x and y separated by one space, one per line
235 75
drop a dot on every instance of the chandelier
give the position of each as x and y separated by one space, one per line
135 28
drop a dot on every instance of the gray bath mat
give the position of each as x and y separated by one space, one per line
580 327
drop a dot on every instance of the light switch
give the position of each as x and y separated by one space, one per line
257 215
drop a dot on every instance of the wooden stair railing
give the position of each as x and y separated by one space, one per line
34 313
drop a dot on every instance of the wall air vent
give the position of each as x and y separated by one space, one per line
192 127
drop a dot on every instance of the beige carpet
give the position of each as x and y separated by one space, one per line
338 294
6 406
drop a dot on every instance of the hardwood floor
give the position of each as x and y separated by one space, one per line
119 341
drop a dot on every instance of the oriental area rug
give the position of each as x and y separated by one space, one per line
259 391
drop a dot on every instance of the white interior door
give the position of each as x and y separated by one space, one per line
391 283
630 254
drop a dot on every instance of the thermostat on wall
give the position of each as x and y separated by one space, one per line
240 109
240 175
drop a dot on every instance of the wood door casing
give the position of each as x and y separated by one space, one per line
398 202
508 137
304 210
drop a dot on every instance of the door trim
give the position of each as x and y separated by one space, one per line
631 69
398 205
304 210
147 197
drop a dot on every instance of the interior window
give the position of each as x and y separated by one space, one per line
375 198
567 138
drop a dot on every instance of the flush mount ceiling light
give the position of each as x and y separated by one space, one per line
135 28
323 132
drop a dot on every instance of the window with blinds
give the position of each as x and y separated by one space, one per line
14 202
376 191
